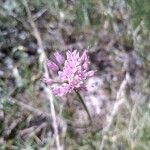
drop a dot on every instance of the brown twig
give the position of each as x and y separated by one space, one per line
43 59
32 109
120 99
37 130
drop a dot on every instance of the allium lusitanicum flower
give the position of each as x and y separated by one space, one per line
72 70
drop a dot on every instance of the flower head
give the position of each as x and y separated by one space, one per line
72 74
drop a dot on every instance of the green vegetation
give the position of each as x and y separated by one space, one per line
117 35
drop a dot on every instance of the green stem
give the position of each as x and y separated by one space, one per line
84 105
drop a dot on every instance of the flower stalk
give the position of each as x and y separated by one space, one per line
84 105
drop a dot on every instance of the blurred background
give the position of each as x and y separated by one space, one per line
117 35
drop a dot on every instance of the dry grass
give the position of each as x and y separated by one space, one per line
32 118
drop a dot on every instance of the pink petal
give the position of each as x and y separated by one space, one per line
85 66
52 66
84 56
90 73
47 80
60 59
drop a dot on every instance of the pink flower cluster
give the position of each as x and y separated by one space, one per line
72 70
